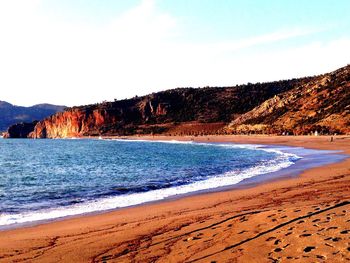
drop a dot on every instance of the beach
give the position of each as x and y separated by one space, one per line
303 219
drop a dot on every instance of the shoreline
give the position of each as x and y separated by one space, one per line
165 212
306 159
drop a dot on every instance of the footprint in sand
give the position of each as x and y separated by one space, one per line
274 260
243 219
270 238
305 235
336 239
277 242
332 227
278 249
309 248
106 258
331 214
321 257
340 215
344 232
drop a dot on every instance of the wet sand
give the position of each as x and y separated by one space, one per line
301 219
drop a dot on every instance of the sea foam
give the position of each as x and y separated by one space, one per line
283 160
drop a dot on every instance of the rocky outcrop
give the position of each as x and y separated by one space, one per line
74 123
20 130
321 105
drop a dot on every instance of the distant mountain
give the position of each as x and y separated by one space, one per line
297 106
11 114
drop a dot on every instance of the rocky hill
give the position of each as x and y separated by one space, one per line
322 105
160 112
11 114
297 106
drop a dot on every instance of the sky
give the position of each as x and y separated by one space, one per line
76 52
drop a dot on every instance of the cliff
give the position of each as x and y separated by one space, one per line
296 106
20 130
160 112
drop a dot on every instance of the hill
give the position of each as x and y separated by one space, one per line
11 114
296 106
161 112
322 105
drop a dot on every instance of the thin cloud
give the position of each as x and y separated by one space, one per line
47 59
265 39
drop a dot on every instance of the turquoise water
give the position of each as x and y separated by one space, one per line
46 179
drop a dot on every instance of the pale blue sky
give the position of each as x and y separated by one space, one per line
77 52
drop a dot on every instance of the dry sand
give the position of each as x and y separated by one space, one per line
302 219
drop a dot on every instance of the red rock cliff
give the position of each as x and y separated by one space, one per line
73 123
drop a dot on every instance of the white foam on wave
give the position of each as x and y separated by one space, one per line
283 160
152 141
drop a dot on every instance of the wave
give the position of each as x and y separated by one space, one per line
283 160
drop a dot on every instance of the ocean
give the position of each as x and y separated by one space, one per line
50 179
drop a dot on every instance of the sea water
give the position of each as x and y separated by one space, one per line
48 179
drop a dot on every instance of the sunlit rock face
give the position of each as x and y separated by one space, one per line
73 123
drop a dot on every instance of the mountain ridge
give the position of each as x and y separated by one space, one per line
296 106
11 114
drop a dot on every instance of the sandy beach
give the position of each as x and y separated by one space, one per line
300 219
